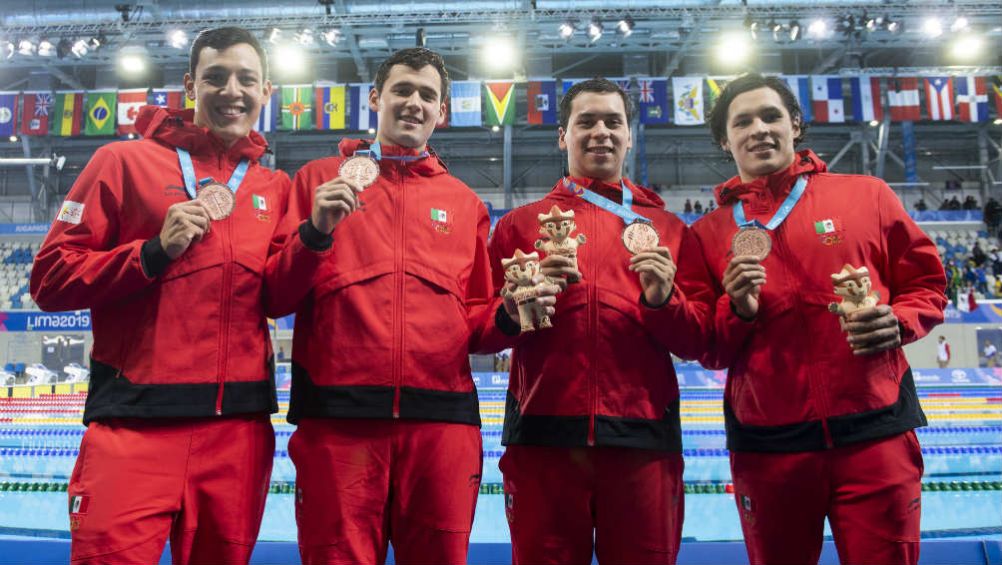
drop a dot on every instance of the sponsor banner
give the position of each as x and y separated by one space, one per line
955 377
78 321
24 229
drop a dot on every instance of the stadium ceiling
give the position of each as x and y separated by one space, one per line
369 30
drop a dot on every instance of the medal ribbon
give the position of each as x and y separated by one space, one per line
188 170
781 214
376 152
622 210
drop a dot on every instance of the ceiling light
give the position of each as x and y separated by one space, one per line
332 36
625 26
959 24
566 30
26 47
80 48
46 48
178 39
305 37
932 27
818 29
595 29
275 35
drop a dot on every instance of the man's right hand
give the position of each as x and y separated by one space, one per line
332 202
558 268
186 223
743 280
546 296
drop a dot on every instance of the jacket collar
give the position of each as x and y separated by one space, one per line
772 187
177 129
427 167
612 191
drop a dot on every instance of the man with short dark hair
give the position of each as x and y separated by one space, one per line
388 448
165 240
592 431
820 405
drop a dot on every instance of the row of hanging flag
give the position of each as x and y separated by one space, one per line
683 101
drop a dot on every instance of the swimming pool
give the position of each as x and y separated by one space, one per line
962 447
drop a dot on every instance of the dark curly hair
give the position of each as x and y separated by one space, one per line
745 83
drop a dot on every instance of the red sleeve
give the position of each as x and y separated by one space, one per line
81 265
683 325
480 303
491 338
914 272
292 260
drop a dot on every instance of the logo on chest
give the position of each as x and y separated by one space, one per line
830 231
441 220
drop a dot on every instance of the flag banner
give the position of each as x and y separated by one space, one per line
297 107
35 114
972 99
466 104
8 113
714 86
997 94
330 107
800 85
567 83
67 116
129 103
362 117
269 111
170 98
653 104
688 92
542 97
100 115
903 99
939 98
827 101
866 103
500 103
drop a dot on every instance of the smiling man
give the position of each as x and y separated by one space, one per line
820 409
388 447
164 239
592 428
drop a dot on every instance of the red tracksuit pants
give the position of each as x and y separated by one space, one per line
624 504
200 481
870 492
361 484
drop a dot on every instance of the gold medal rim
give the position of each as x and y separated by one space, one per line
763 234
657 236
373 168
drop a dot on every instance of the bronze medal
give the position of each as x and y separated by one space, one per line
640 236
751 241
218 199
360 170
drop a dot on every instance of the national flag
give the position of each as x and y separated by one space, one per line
8 113
35 114
972 99
866 103
567 83
688 92
100 116
500 102
258 202
997 94
827 101
939 98
653 103
297 107
330 107
362 117
172 99
542 97
466 103
269 110
903 99
439 216
68 114
79 504
714 86
824 226
129 103
800 86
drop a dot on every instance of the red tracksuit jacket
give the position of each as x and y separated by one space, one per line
171 338
383 327
603 375
793 383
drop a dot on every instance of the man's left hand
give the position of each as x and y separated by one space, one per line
657 274
872 330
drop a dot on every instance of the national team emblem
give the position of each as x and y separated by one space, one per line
71 212
829 231
440 220
259 203
79 504
746 503
509 507
299 495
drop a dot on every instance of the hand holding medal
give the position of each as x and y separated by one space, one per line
657 273
333 201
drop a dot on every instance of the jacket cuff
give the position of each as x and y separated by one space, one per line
645 304
505 324
153 258
314 239
739 316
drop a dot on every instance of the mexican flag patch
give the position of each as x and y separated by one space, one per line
824 226
79 504
439 216
259 203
